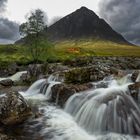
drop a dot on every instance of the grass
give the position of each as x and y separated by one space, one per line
67 50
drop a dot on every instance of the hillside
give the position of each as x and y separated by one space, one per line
67 50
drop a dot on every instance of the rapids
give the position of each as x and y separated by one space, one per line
108 113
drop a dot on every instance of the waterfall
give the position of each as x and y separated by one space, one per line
138 78
55 124
41 89
108 113
104 110
36 86
15 77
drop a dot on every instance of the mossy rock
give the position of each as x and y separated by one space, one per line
78 75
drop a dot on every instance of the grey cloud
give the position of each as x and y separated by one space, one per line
123 16
2 5
9 31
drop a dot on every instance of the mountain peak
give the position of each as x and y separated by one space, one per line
83 8
85 11
83 23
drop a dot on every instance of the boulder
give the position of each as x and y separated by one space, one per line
135 75
35 70
12 69
86 74
5 137
134 90
56 67
25 77
6 82
13 108
62 92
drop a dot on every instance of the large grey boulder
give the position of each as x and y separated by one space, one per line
13 108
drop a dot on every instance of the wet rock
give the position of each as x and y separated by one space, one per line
5 137
135 75
6 82
62 92
123 63
13 88
12 69
134 90
13 108
25 78
86 74
56 67
101 84
35 70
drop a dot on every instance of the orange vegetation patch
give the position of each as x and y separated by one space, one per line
73 50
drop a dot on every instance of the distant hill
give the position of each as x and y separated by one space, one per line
83 23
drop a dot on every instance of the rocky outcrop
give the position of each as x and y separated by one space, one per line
61 92
13 108
56 67
86 74
123 63
34 72
7 82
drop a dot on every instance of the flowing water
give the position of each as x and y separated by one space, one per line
15 77
108 113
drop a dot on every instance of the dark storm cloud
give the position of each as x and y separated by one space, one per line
9 30
123 16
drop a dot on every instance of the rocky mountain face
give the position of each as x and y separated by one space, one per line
83 23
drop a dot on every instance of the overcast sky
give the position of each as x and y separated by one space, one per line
51 7
122 15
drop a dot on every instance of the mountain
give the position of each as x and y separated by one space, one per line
83 23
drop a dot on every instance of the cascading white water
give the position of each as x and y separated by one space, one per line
35 88
106 113
52 80
55 124
41 89
109 109
138 78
